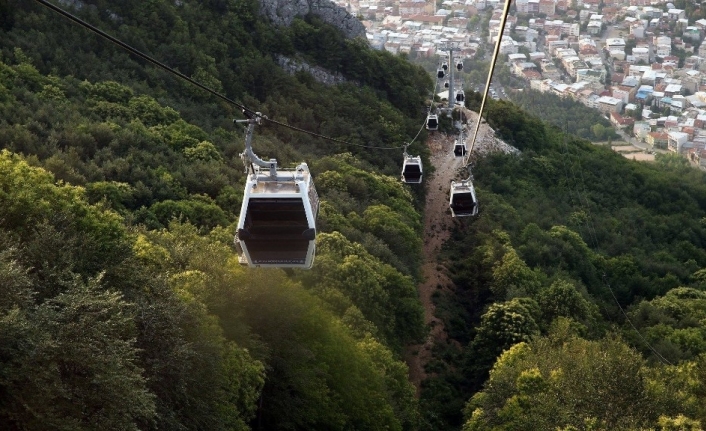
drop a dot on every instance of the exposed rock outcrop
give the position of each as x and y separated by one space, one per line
319 73
283 12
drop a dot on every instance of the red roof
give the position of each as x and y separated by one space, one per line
623 121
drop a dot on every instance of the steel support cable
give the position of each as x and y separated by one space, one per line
246 110
493 60
593 236
433 93
418 132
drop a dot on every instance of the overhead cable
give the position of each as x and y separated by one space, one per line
493 60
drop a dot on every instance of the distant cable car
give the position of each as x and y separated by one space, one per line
460 96
277 223
463 202
460 145
411 168
459 65
440 73
446 84
432 122
445 66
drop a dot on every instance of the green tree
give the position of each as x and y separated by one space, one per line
564 299
72 361
563 381
672 322
502 326
204 150
598 131
513 278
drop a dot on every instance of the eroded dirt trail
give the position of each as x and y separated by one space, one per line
437 229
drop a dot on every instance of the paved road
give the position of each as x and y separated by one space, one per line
633 141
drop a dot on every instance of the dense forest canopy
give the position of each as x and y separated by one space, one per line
120 188
565 113
579 290
592 263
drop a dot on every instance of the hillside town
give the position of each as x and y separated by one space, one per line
639 62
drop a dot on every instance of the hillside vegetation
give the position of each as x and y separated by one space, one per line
574 240
123 305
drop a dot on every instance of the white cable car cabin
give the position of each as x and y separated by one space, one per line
459 148
460 96
463 202
460 144
432 122
440 73
459 65
412 169
277 223
445 66
446 84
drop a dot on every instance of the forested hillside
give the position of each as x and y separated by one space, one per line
579 296
593 264
122 303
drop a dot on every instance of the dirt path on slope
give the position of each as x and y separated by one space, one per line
438 224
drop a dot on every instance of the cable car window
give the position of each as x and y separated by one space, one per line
276 232
432 122
463 203
276 217
412 173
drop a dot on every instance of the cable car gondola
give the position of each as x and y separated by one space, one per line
440 73
463 202
277 223
445 66
432 122
446 84
460 145
460 96
411 168
459 65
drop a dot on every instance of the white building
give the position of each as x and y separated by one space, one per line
676 14
637 30
662 46
508 46
617 54
615 43
641 54
676 141
594 28
608 104
537 56
512 58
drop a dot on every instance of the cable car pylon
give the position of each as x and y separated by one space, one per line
277 223
450 48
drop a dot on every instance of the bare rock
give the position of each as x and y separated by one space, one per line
283 12
320 74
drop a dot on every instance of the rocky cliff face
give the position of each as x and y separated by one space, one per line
282 12
320 74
